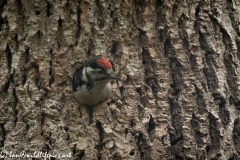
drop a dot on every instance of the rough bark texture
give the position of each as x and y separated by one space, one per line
179 61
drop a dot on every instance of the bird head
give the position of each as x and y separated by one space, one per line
100 69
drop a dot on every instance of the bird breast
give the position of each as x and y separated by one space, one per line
98 93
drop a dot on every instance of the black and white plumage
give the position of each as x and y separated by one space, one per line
92 81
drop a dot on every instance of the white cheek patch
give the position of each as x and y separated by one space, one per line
89 69
94 73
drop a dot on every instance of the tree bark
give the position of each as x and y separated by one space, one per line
179 96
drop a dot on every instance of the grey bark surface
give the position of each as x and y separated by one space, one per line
179 96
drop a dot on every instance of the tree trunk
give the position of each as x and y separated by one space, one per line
179 96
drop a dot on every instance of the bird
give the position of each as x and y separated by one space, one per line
92 81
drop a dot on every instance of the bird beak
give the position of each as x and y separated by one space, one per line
113 76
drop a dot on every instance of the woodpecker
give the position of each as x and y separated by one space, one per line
92 81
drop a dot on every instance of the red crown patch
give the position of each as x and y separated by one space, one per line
102 62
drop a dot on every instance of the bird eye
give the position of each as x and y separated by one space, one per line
100 72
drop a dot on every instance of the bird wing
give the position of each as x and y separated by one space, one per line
77 79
